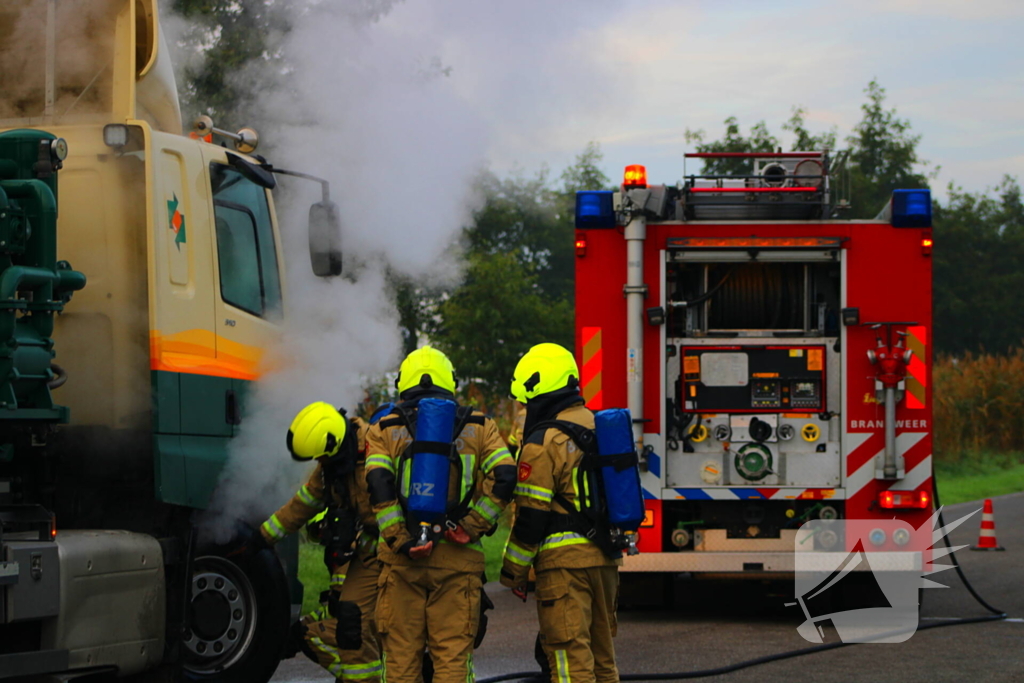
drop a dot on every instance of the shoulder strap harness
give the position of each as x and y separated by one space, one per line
591 519
403 417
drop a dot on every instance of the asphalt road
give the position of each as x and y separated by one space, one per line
714 624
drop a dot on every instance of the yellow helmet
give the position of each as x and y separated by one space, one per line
317 431
426 361
518 392
544 368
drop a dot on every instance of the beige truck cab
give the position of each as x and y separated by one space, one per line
180 247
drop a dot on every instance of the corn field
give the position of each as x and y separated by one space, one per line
979 404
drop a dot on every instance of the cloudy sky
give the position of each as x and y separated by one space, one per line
546 77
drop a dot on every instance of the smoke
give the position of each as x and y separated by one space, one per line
376 114
83 55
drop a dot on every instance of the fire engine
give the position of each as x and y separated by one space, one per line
775 357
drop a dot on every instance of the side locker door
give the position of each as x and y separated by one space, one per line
183 354
248 277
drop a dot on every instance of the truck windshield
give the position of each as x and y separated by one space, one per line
56 59
249 276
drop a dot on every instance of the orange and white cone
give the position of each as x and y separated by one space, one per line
987 537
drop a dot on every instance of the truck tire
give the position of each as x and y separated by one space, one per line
238 621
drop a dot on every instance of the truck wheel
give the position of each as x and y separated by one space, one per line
238 621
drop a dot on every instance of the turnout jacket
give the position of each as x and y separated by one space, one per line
547 466
317 493
488 472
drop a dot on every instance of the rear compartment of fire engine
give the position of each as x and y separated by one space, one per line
756 316
752 379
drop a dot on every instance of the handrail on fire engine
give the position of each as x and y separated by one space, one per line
751 155
752 189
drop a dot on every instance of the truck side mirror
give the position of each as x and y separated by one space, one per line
325 239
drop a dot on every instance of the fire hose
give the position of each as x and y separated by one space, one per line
996 615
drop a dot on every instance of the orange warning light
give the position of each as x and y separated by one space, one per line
634 177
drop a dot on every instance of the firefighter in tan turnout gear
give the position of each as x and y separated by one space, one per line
577 578
430 585
341 636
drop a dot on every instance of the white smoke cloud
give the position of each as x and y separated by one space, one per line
376 115
399 105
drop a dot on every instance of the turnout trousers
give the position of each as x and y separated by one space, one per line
576 610
365 664
428 608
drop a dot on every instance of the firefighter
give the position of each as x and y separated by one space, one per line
341 636
577 578
430 589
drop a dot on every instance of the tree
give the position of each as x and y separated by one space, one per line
585 174
804 140
234 38
979 284
487 324
518 289
759 140
883 156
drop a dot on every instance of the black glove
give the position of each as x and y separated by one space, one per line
485 604
253 545
336 557
349 629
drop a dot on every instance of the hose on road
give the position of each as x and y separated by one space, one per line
997 615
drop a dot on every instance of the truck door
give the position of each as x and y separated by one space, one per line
190 439
248 299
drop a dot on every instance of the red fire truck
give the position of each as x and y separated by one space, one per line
775 356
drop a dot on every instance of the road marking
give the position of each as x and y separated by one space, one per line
1015 620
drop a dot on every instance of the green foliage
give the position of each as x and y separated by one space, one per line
804 140
494 317
240 42
519 285
759 140
585 173
883 156
979 284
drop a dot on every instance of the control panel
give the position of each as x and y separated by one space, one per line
744 379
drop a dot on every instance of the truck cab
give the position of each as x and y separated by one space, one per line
146 288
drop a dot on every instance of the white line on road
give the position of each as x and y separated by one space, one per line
1015 620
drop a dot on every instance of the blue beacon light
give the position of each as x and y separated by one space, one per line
911 209
594 209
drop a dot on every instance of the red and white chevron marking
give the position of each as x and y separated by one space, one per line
864 448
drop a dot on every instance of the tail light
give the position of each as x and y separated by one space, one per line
581 245
915 500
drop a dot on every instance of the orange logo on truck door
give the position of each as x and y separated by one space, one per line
176 221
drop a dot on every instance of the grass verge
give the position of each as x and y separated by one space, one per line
312 573
979 475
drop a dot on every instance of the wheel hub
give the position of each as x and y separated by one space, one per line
222 615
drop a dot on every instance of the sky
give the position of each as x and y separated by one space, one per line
547 77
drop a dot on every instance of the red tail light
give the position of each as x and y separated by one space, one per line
891 500
581 245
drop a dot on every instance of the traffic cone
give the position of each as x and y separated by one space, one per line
987 537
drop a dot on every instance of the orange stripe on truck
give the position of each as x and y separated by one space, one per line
593 365
201 352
